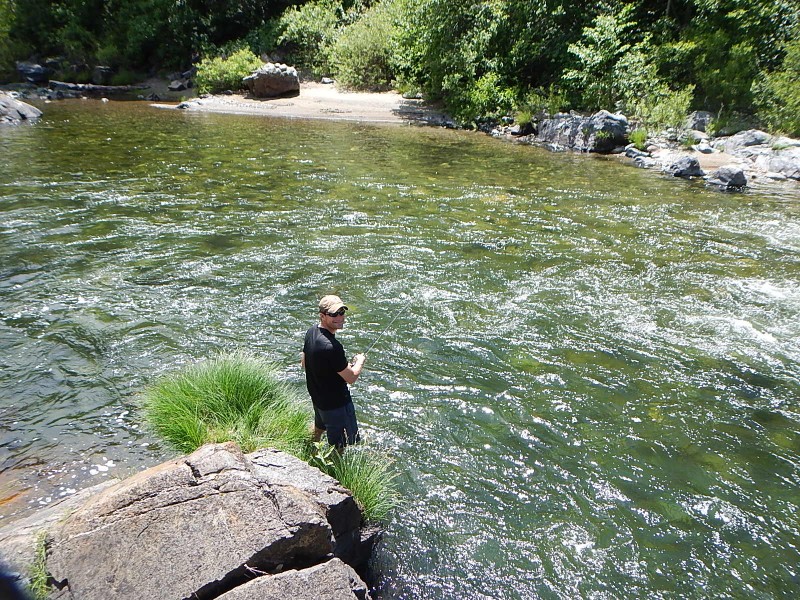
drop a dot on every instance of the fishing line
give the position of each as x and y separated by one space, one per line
382 332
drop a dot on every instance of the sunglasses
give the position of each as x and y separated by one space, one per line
338 313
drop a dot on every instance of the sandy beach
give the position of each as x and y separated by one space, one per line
322 101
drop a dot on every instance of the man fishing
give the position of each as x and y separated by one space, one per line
328 375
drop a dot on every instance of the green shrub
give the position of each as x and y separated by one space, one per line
366 470
485 98
550 100
126 77
362 54
218 74
308 32
660 107
638 138
234 397
264 39
778 94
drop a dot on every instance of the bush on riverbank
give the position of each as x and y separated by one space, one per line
218 74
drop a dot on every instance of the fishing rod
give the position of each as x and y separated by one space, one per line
382 332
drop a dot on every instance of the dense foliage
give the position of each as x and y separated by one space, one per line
480 59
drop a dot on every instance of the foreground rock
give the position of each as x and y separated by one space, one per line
14 112
205 525
273 80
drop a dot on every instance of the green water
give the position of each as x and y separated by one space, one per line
592 389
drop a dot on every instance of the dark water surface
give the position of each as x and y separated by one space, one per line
592 389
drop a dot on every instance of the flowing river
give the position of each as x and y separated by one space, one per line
591 389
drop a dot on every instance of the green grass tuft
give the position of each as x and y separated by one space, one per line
365 470
39 586
233 397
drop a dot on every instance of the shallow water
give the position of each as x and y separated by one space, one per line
591 389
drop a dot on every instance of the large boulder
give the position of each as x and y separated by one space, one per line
273 80
14 112
735 143
33 72
201 526
602 132
685 166
699 120
729 177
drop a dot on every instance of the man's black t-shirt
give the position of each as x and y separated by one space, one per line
324 358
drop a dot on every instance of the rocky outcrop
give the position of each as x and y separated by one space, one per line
14 112
205 525
779 157
602 132
273 80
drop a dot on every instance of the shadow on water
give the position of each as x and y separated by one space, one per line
590 390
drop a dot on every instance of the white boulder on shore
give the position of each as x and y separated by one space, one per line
214 524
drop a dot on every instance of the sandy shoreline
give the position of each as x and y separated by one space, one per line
322 101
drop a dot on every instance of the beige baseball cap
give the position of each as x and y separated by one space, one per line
330 304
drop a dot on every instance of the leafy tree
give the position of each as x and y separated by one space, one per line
601 47
6 20
778 93
308 33
362 53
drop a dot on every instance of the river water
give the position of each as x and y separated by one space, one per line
592 388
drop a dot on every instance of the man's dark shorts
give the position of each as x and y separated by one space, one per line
339 424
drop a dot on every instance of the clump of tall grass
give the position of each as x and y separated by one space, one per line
232 397
39 582
366 470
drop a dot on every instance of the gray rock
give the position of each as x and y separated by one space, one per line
632 151
699 120
14 112
733 143
273 80
333 580
685 166
703 148
729 177
178 85
32 72
785 161
194 527
341 511
102 75
602 132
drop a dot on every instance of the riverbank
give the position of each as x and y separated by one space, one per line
323 101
